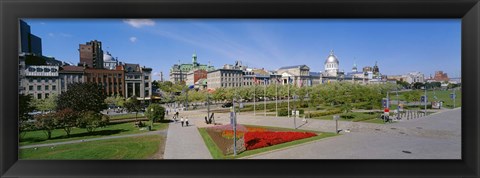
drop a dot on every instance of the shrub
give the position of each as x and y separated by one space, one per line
283 112
325 113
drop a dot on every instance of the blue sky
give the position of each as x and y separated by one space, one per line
399 46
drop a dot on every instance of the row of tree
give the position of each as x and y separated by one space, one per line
80 106
341 93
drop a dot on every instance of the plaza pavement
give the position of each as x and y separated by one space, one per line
437 136
185 142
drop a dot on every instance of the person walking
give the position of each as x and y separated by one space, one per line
181 120
186 121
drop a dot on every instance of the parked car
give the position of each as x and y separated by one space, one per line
227 105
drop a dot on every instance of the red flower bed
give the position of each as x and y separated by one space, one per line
254 140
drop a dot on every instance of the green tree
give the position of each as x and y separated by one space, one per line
133 105
46 123
91 120
154 112
24 107
47 104
66 119
82 97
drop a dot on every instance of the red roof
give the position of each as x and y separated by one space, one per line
72 68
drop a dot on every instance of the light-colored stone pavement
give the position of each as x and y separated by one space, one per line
185 142
437 136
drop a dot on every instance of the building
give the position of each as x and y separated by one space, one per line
331 65
112 81
138 81
194 76
41 81
299 74
179 72
69 75
28 42
414 77
91 54
440 76
109 62
224 78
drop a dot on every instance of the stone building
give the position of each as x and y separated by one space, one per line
41 81
225 78
69 75
138 81
109 62
179 72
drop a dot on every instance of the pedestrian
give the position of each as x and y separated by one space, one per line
186 121
181 120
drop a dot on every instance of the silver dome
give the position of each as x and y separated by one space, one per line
332 58
107 57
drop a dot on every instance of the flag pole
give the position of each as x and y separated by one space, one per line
265 97
276 98
254 99
288 98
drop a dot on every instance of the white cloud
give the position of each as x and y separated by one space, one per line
133 39
139 23
51 34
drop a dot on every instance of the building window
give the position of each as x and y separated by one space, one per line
30 87
46 95
54 87
39 96
39 80
146 77
46 87
39 88
30 80
146 84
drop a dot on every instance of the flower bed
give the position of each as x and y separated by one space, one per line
249 138
254 140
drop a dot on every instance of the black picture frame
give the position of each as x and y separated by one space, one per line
467 10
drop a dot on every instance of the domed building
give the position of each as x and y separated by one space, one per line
331 65
109 62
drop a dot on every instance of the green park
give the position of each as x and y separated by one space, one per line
84 123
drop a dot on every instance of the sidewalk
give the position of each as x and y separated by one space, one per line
185 142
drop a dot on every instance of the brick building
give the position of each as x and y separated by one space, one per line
440 76
112 81
91 54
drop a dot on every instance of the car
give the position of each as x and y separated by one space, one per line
227 105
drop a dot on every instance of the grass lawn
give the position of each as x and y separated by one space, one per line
141 147
441 95
217 153
59 135
126 116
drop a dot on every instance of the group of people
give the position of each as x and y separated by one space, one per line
183 121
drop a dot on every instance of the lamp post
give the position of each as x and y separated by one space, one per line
276 98
425 110
151 124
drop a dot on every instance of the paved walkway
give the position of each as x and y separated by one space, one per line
436 136
185 142
161 132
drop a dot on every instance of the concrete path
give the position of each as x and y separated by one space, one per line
436 136
161 132
185 142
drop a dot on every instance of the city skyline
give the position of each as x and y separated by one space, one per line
419 45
